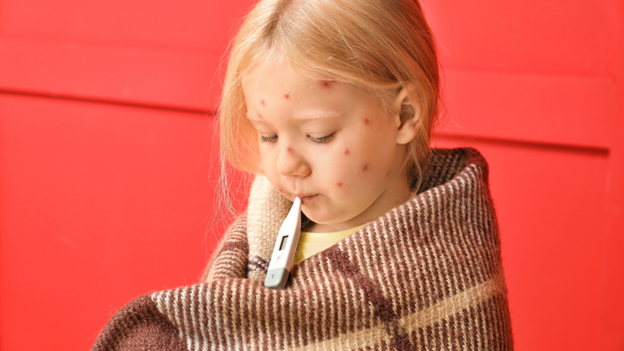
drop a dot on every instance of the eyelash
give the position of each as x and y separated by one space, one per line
321 140
264 139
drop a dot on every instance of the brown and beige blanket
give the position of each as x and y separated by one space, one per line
427 275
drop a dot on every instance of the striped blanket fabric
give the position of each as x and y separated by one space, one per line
427 275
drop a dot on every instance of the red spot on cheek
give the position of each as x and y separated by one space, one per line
326 84
286 96
289 149
365 168
366 121
259 115
339 184
262 102
388 174
280 190
346 151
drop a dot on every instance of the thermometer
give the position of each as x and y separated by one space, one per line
285 247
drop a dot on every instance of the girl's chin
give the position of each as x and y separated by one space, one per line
324 222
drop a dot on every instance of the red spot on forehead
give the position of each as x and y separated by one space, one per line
366 121
346 151
339 184
286 96
365 168
326 84
262 102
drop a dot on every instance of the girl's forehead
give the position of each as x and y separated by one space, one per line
285 73
271 91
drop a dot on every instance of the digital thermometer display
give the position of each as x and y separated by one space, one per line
284 241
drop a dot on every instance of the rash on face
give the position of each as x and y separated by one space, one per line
286 96
326 84
339 184
346 151
262 102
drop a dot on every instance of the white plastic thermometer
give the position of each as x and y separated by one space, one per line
285 247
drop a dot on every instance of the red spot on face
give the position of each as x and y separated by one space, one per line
366 121
280 190
346 151
262 102
339 184
289 149
326 84
388 174
286 96
260 116
365 168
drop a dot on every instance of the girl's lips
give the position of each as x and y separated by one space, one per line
306 199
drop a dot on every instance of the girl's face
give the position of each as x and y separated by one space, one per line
329 144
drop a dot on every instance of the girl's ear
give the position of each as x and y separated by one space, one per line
407 119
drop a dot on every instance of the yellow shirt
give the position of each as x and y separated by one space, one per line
311 243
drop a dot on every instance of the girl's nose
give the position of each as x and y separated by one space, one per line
292 164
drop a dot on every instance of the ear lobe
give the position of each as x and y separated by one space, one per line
408 130
408 116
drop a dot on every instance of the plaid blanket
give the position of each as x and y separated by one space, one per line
426 275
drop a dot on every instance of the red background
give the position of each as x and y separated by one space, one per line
107 146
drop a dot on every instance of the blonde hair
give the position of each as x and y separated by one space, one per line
383 45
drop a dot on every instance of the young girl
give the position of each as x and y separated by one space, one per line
332 101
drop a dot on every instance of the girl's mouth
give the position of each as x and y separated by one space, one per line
307 199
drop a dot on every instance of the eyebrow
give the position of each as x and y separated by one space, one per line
252 118
305 116
309 115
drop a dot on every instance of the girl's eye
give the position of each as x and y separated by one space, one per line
324 139
264 139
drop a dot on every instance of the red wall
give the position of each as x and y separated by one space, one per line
107 168
537 87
